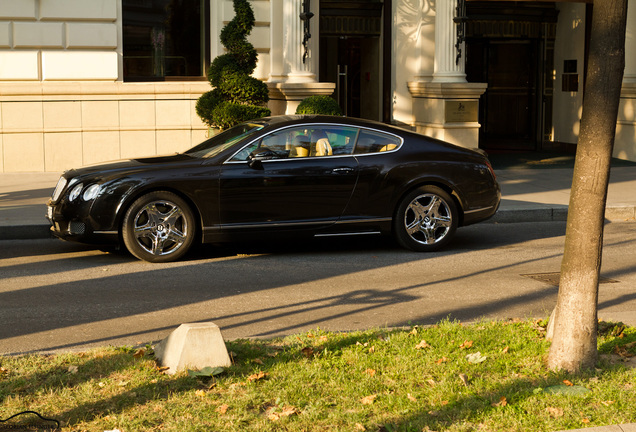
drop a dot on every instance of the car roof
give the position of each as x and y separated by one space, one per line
284 120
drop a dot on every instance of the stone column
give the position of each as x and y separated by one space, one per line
624 146
447 107
630 41
292 80
447 68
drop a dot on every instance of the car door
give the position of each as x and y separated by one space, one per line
300 184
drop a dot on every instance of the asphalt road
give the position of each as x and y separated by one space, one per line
62 296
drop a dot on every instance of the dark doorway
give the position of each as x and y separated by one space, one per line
509 106
351 55
510 47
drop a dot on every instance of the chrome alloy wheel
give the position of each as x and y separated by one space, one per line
160 227
428 219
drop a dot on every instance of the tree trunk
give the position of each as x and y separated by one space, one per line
574 341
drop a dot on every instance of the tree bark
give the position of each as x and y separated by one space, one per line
574 345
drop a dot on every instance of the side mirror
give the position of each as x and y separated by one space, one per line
256 158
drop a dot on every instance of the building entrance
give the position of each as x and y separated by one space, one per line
511 48
351 54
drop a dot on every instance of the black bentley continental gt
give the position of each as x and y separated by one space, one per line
298 175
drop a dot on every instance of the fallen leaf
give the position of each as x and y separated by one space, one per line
466 344
414 331
207 371
73 369
567 383
505 350
607 403
475 358
554 412
199 393
444 403
258 361
372 349
139 353
370 372
359 427
257 376
222 409
464 378
422 345
368 400
433 413
564 389
308 352
411 398
288 411
442 360
621 351
502 402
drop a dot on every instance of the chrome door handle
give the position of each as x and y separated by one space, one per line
341 170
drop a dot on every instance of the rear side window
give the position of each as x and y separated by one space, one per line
375 142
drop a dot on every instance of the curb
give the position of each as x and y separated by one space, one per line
25 232
615 213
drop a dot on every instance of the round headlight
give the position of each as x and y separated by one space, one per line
75 192
91 192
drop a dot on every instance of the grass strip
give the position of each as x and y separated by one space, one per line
488 376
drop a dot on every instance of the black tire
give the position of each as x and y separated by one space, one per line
426 219
159 227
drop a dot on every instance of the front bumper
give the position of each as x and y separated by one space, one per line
77 228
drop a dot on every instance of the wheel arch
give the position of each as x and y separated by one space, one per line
431 182
131 197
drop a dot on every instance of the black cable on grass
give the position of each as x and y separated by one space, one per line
32 412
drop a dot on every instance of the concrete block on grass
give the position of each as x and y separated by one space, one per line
193 346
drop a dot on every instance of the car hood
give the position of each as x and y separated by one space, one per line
127 166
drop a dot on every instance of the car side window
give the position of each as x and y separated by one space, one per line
304 141
375 142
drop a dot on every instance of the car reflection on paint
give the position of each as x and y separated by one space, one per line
284 175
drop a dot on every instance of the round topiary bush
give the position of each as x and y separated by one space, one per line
319 105
237 96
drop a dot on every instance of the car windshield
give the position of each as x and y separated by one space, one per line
224 140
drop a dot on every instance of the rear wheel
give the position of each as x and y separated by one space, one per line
426 219
159 227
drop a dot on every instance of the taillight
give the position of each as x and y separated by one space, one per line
492 171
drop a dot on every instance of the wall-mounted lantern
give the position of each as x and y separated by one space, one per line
460 19
305 16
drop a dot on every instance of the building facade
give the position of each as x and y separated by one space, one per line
83 82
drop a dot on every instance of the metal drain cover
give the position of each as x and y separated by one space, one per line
553 278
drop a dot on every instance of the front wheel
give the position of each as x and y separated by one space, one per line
158 227
425 220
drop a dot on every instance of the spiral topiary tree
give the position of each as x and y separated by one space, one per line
236 96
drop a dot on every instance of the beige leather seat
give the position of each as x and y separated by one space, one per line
388 147
323 148
299 146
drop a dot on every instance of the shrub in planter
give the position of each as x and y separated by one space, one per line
319 105
237 96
